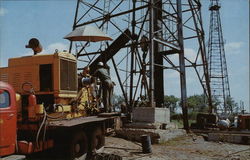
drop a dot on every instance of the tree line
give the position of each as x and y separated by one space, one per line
196 103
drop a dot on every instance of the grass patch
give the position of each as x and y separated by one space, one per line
179 123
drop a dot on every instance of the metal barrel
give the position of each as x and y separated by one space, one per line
146 144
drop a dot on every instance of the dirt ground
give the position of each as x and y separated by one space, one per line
181 148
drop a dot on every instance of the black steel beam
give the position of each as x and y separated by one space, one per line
111 16
158 58
182 67
111 50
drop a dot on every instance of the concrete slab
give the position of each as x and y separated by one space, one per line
144 125
230 138
157 135
151 115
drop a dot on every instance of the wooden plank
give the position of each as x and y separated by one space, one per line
109 114
75 121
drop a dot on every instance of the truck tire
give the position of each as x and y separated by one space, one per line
78 145
97 139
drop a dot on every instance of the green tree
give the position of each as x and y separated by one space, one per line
231 104
197 103
171 102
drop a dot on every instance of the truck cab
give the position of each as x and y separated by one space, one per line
8 119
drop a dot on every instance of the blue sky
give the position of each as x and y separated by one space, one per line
51 20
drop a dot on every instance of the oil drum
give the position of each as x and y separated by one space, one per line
146 144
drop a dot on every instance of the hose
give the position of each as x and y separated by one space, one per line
56 117
40 128
44 123
16 146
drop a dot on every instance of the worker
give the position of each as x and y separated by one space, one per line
86 78
86 96
81 76
88 81
85 71
107 85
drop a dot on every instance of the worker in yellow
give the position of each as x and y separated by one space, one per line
107 85
86 97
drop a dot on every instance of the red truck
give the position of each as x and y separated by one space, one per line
36 113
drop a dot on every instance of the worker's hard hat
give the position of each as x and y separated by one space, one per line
100 64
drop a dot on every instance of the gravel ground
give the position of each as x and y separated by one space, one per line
181 148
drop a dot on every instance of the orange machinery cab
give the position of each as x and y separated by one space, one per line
8 119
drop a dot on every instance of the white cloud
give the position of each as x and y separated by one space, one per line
55 46
3 11
50 49
233 47
190 54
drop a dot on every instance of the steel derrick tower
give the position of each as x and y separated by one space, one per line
149 37
217 60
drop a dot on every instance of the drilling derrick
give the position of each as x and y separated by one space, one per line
149 39
217 60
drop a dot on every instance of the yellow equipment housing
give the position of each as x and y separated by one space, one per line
53 78
51 75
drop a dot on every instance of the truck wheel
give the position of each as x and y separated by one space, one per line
78 146
98 139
